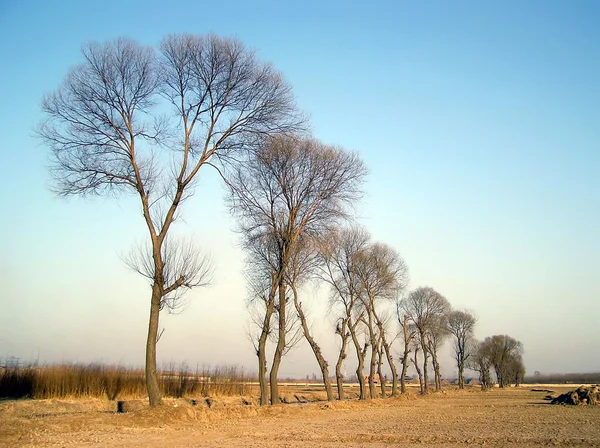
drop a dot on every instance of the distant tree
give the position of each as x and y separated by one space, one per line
503 351
424 307
461 324
107 137
515 370
481 362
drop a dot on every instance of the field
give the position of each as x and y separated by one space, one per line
511 417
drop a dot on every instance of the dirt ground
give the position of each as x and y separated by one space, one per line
512 417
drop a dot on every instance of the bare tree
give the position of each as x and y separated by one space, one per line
340 254
424 306
292 189
260 262
408 335
515 370
436 335
461 324
383 275
503 351
341 329
107 136
481 362
300 268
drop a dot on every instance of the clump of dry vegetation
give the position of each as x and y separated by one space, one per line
583 395
112 382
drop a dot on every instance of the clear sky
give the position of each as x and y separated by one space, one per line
479 121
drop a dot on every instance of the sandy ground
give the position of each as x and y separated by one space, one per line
513 417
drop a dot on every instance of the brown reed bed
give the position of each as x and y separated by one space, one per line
112 382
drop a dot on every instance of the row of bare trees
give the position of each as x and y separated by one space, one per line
145 121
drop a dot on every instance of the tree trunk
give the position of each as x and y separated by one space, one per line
314 346
390 360
404 370
436 370
280 345
405 360
382 382
341 330
425 362
373 360
415 361
360 356
461 376
262 346
262 370
498 371
151 377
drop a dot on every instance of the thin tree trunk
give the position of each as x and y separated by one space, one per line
415 361
436 370
341 330
262 369
425 362
389 357
314 346
404 370
382 382
373 360
360 355
280 345
407 340
262 346
390 360
151 378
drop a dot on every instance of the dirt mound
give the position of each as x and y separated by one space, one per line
583 395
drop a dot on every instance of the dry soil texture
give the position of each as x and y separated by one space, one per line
513 417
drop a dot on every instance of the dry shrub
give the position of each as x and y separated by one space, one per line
583 395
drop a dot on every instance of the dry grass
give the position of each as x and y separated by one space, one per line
112 382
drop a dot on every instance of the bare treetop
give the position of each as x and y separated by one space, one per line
96 116
424 305
305 186
129 118
383 272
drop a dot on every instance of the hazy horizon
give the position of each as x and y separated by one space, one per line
479 123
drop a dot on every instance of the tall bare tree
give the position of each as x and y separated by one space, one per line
291 190
383 275
436 335
461 324
424 306
107 136
302 265
340 255
408 335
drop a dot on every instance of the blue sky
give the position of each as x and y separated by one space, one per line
479 121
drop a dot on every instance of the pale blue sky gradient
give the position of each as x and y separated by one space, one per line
479 121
